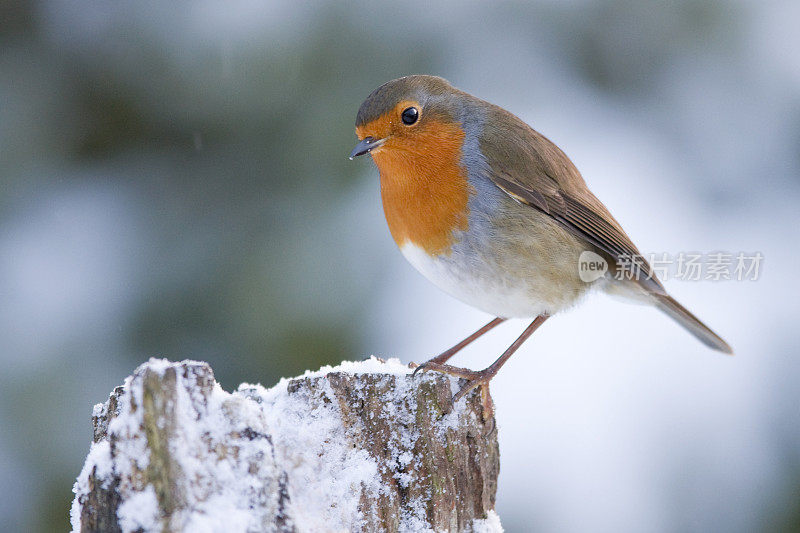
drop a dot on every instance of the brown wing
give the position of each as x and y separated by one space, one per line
534 171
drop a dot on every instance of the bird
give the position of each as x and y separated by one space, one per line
495 214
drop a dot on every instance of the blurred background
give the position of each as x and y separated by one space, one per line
174 182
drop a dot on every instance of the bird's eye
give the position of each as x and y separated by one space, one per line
410 115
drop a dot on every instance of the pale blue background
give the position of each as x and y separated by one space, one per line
174 181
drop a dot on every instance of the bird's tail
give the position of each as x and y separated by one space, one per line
685 318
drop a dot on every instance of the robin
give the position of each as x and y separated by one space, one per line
496 215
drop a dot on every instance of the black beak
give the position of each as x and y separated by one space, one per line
367 144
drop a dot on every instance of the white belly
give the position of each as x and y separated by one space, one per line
482 286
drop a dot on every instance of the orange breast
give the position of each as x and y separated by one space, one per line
424 187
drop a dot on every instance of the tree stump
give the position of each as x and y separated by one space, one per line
360 447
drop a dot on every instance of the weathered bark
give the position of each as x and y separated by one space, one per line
338 451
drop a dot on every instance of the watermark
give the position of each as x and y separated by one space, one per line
591 267
684 266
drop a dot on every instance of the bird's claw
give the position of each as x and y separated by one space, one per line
418 368
474 380
468 387
459 372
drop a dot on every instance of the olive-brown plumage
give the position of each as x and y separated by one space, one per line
494 213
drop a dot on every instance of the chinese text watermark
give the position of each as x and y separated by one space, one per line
684 266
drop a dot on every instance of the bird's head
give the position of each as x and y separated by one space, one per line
413 120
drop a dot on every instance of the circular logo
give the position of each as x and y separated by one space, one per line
591 267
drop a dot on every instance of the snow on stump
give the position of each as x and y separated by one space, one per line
359 447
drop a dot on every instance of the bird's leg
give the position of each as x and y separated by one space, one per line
481 378
447 354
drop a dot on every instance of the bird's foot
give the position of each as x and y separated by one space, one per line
474 379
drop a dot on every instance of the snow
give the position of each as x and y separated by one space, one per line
252 454
490 524
373 365
140 511
328 470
